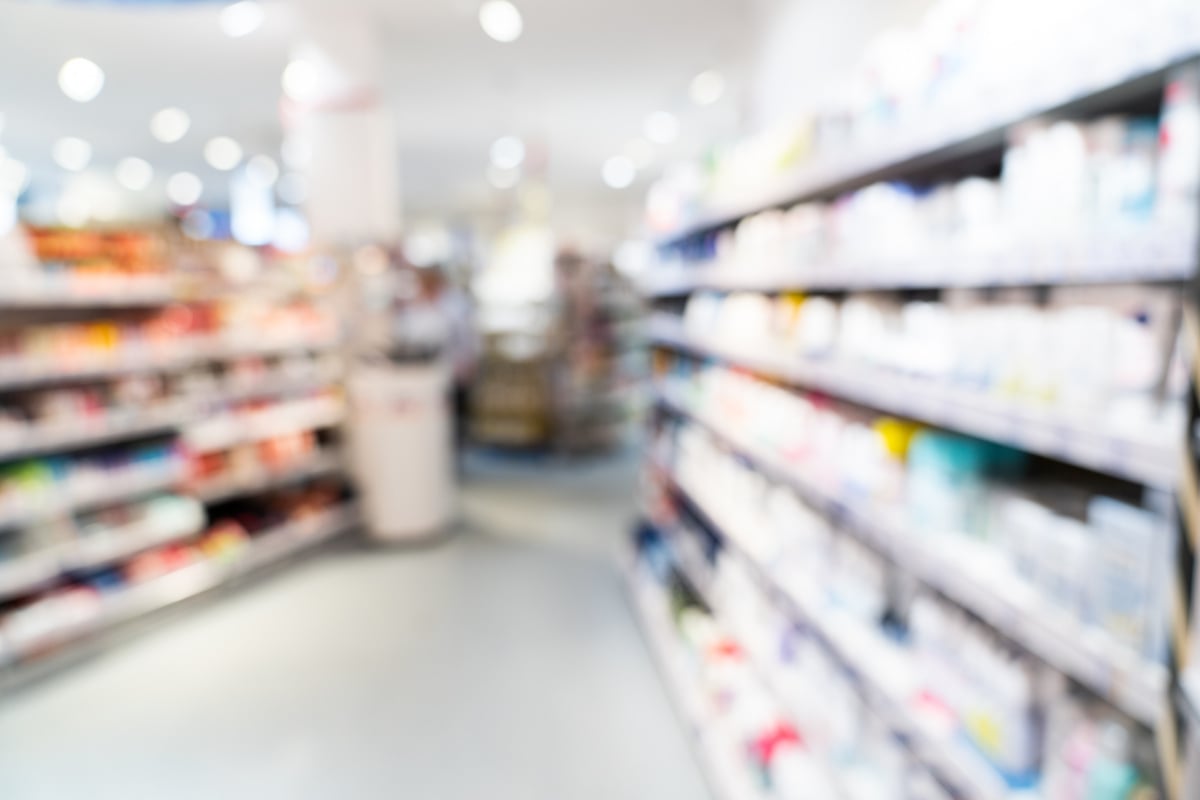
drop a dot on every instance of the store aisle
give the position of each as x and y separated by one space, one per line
506 664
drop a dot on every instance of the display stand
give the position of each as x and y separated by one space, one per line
401 447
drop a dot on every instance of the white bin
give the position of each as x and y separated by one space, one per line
401 443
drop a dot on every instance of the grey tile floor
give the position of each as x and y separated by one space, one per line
503 665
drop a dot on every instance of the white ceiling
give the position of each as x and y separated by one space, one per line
577 85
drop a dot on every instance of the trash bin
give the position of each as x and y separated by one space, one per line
401 442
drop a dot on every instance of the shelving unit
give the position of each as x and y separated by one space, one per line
950 762
25 376
1160 697
220 408
1093 444
23 663
943 142
1127 681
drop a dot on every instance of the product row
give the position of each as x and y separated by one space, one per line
750 747
69 416
35 557
89 599
950 78
865 670
249 421
86 254
246 467
1098 351
244 445
42 488
1073 200
179 332
1082 547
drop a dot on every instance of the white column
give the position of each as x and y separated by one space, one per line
353 177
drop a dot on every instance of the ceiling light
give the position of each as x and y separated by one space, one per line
72 153
262 170
619 172
292 189
222 153
662 127
508 152
503 178
707 88
80 79
170 125
242 19
501 20
134 174
184 189
300 80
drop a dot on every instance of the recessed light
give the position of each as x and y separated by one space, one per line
300 79
134 174
72 153
662 127
222 153
508 152
501 20
619 172
184 188
707 88
170 125
81 79
242 19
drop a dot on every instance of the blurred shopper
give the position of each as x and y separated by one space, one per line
443 313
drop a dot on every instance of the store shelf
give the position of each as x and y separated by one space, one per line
686 696
1100 257
1090 443
42 439
62 501
126 605
15 375
271 386
863 654
96 550
51 293
219 491
229 430
984 587
962 773
942 141
20 576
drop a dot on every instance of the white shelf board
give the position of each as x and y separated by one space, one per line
16 374
1149 255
